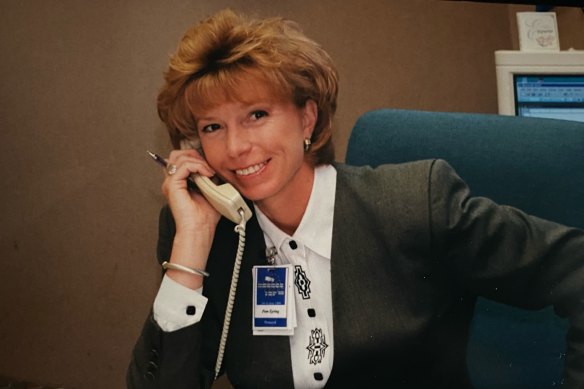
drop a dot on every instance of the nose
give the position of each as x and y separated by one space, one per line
238 141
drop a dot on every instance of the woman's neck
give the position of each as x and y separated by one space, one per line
287 208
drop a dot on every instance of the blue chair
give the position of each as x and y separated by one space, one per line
536 165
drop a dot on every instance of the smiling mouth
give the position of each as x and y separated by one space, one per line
251 169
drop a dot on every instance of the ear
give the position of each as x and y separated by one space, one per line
309 117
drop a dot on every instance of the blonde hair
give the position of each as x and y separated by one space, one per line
216 55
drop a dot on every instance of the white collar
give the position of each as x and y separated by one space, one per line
316 227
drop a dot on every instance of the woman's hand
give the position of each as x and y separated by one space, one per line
194 217
190 209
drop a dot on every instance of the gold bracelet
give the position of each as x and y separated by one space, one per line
175 266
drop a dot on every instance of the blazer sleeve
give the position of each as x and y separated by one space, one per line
505 255
162 360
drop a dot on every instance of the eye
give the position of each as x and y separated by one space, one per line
256 115
210 127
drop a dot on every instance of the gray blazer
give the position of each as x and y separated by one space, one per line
411 252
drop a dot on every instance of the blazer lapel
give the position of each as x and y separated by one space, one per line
351 233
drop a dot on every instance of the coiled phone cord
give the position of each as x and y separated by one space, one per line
240 229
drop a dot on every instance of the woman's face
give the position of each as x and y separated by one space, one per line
257 145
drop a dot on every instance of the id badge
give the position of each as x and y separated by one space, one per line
274 309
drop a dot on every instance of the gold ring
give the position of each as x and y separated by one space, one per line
171 169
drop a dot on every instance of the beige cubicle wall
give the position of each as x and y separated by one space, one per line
80 198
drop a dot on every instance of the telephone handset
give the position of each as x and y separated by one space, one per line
223 197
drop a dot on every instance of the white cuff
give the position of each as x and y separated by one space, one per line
177 306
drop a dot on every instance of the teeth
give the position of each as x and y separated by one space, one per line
250 169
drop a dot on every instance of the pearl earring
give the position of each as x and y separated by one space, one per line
307 144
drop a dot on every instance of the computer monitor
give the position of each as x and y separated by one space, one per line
541 84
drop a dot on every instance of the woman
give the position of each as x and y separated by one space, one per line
387 262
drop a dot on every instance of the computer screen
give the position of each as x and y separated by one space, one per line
541 84
552 96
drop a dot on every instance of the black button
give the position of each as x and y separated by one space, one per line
191 310
318 376
149 376
154 355
311 312
293 245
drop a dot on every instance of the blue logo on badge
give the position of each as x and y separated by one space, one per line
271 284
